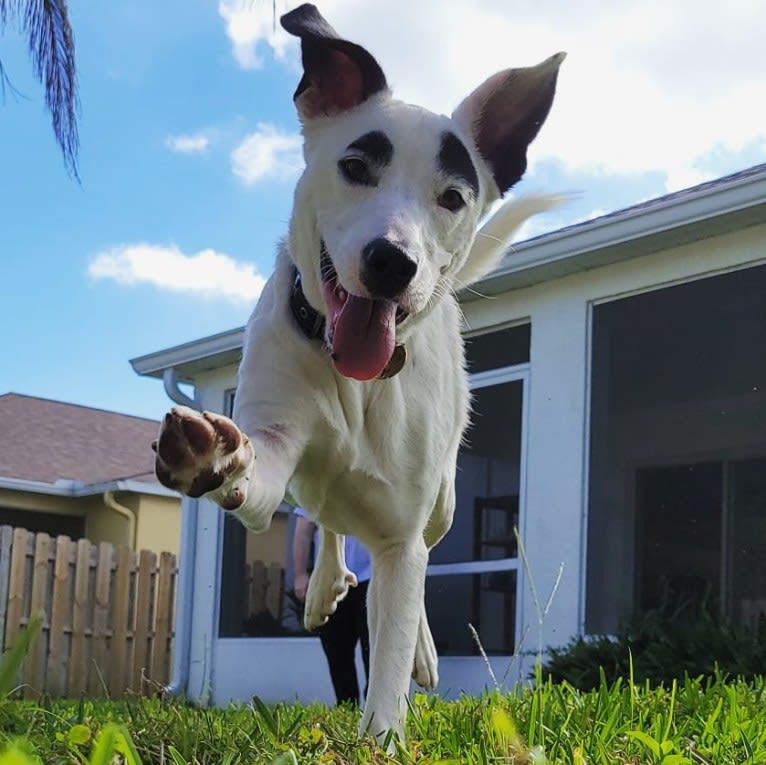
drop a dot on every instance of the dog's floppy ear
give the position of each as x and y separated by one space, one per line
504 114
337 74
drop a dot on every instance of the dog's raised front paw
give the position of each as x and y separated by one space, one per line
199 453
326 589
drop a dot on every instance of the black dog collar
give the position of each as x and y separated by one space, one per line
310 321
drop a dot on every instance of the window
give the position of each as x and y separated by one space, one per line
473 576
257 576
677 505
488 479
487 601
257 580
745 588
679 534
499 348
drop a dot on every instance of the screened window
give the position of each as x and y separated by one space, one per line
677 506
499 348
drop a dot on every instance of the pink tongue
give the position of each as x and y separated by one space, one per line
363 337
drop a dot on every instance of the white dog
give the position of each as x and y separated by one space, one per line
352 396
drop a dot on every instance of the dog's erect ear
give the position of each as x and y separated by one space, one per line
337 74
504 114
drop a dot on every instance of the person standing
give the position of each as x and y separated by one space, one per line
348 625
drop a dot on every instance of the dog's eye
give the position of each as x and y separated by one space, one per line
356 170
451 200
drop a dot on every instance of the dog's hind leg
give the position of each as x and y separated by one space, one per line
440 520
329 581
425 671
395 602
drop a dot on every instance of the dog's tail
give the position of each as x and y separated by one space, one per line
494 237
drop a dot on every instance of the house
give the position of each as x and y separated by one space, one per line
618 369
83 472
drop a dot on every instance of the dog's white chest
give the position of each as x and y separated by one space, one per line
384 443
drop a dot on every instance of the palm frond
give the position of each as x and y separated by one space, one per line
5 83
51 48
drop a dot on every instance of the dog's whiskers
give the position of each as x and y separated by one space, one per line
469 288
489 236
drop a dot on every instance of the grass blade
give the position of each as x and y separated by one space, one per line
11 663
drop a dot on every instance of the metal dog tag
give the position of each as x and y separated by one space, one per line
395 363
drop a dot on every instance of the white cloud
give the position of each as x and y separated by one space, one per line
267 154
206 273
247 23
648 84
188 144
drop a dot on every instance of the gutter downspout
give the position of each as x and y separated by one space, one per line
170 381
125 512
188 553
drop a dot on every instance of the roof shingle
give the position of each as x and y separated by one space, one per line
46 441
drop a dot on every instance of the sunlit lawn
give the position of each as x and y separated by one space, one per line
694 722
716 721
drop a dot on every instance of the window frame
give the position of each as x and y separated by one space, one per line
477 381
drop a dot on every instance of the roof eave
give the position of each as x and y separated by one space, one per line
193 357
637 231
76 489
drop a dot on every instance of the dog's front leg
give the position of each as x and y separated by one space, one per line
329 581
395 601
206 454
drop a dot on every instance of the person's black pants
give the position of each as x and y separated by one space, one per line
346 627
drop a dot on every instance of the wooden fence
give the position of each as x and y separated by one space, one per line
107 614
265 588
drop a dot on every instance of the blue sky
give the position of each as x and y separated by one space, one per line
189 153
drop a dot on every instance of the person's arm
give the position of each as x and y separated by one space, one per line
304 533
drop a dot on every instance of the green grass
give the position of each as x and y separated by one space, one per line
711 721
692 722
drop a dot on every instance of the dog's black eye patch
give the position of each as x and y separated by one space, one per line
454 160
376 147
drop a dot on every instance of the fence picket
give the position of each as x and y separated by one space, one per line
141 638
61 619
6 542
258 585
16 586
78 656
121 615
34 662
274 589
97 681
160 669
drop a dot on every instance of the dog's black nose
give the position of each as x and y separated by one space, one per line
386 270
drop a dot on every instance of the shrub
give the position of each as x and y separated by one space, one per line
663 644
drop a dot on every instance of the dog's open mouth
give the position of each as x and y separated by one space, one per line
361 332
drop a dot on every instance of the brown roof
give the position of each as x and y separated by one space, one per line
43 440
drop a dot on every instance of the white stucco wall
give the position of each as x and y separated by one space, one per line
555 529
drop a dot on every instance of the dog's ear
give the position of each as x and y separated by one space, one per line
337 74
504 114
